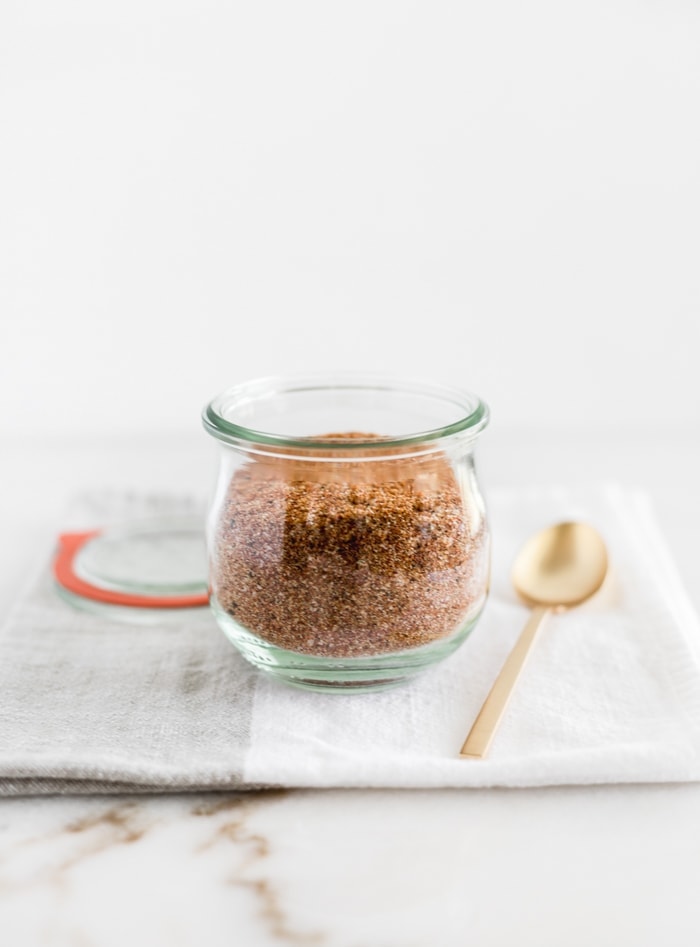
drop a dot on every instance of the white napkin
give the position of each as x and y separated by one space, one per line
611 693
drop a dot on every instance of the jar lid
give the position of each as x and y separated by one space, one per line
138 571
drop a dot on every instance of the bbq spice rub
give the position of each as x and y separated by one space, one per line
318 559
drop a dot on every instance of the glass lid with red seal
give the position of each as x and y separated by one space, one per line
140 570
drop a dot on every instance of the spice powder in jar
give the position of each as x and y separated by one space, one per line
347 559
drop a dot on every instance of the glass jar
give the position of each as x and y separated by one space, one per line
348 541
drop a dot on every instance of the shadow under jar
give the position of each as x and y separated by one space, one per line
348 541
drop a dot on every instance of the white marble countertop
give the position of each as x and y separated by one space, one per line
607 865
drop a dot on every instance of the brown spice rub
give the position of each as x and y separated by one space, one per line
348 559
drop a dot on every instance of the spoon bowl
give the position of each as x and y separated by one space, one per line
557 568
561 566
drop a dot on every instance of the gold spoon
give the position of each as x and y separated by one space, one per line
556 568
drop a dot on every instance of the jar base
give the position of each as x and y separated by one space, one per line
356 675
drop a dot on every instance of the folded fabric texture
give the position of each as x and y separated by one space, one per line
611 693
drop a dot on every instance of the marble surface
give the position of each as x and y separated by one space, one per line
348 869
608 865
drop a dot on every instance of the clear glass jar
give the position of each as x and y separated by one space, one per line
347 536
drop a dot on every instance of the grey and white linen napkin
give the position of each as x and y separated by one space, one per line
611 693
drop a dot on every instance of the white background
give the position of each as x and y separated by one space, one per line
505 196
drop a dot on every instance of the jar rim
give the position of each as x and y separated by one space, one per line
474 413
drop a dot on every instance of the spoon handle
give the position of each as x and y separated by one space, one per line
484 727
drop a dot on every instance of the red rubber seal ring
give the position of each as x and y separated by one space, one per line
70 544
